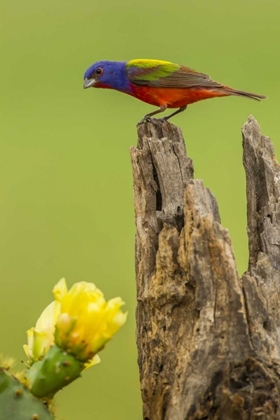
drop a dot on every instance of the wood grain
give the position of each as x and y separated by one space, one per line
208 340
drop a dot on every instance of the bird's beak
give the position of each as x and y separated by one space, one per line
89 83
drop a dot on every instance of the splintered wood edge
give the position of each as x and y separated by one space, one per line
195 318
263 192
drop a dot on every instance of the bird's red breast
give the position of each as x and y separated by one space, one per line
160 83
174 97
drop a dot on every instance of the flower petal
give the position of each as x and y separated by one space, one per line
87 322
60 290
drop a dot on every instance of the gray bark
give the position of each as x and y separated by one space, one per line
208 341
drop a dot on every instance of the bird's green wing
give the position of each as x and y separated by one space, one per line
139 71
157 73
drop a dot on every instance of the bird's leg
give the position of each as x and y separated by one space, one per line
148 116
175 113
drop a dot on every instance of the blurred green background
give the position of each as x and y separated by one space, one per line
66 203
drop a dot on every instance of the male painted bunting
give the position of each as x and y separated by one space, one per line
158 83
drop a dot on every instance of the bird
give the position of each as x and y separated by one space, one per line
160 83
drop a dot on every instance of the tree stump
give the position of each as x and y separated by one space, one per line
208 341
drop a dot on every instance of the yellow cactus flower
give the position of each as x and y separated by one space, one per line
41 337
86 321
68 335
78 321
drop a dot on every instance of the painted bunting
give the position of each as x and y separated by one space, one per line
160 83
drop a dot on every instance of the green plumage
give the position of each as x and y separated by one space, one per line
157 73
150 70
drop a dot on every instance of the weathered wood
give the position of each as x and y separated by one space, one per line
263 191
208 341
262 281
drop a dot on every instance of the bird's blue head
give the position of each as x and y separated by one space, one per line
107 74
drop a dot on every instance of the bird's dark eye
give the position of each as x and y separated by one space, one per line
98 71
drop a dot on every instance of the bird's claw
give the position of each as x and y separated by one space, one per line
147 118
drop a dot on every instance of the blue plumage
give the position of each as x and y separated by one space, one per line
160 83
113 75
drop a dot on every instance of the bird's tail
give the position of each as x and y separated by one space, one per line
250 95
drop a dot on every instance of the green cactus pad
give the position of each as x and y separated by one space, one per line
17 403
54 372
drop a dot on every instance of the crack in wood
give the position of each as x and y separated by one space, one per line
208 341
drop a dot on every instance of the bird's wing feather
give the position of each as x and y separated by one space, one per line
164 74
149 70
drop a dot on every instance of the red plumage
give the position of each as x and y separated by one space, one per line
159 83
